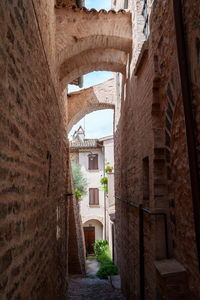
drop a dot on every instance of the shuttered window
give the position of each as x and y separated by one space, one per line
93 162
93 196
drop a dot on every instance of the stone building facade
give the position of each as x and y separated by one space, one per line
94 213
85 152
155 46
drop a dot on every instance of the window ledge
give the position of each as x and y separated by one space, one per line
94 205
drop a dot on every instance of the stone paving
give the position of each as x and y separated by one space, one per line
93 288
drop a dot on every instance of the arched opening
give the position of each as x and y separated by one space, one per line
98 97
92 60
91 137
93 231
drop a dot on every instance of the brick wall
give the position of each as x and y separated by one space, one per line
152 125
76 241
34 163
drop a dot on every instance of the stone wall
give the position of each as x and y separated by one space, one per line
151 135
34 163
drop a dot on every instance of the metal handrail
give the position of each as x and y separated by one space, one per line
143 210
152 213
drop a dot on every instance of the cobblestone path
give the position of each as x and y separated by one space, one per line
91 287
85 288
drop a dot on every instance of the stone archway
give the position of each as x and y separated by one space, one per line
92 217
93 231
88 100
80 29
87 40
92 60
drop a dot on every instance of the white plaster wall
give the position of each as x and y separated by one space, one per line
93 179
109 151
111 192
98 228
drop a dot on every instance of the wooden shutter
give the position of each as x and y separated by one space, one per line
90 162
93 162
96 162
93 196
90 196
96 192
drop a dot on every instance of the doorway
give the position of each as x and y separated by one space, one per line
89 233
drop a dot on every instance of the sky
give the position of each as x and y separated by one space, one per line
99 123
98 4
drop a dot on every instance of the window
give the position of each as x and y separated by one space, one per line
146 19
125 4
93 161
93 196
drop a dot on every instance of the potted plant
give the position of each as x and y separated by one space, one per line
104 182
108 168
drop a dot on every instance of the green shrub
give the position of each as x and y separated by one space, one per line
104 258
80 182
103 255
100 247
78 194
107 270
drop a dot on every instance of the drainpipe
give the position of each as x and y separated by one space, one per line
189 119
105 223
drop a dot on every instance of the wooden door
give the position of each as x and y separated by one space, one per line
89 233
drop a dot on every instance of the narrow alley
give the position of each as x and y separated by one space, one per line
142 203
90 287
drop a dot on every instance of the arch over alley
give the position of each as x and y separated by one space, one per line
98 41
89 61
98 97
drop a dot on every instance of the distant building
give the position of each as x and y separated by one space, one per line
92 155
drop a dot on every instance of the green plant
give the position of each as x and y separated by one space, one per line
100 247
78 194
80 183
103 255
108 168
107 270
105 258
104 182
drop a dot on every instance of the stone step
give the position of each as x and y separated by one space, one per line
172 282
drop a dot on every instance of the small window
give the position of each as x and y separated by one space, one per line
125 4
93 161
146 19
93 196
